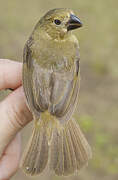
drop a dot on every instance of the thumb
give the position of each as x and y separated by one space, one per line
14 115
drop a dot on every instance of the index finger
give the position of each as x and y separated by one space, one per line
10 74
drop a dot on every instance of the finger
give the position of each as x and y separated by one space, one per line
10 74
14 116
10 160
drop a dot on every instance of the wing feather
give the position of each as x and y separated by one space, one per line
51 90
27 80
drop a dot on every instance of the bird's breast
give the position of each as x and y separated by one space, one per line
54 55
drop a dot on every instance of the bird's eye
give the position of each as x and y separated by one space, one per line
57 21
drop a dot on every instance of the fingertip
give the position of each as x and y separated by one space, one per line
10 74
14 116
16 109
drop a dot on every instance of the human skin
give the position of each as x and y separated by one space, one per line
14 115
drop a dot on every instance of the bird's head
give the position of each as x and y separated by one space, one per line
59 22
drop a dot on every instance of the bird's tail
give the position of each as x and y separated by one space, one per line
35 157
68 150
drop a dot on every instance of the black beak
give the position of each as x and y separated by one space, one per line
73 23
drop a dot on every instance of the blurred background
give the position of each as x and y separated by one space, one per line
97 112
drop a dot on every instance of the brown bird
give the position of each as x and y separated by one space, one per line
51 85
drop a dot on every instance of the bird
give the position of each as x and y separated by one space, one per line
51 81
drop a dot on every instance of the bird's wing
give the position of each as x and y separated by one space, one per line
64 93
27 80
51 90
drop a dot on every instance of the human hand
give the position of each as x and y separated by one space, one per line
14 115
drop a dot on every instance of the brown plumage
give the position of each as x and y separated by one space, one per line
51 85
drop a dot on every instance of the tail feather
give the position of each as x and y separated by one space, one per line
73 164
60 167
36 155
69 150
81 146
57 154
68 155
73 151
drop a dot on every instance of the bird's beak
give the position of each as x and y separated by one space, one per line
73 23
